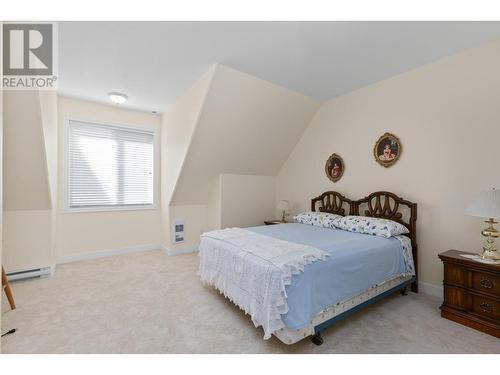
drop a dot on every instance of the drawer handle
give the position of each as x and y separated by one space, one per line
485 307
486 283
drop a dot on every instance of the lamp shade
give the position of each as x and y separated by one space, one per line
283 205
485 204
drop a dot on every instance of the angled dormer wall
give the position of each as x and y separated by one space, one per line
178 126
48 113
244 131
246 126
30 178
26 185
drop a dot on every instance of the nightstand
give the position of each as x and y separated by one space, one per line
273 222
471 292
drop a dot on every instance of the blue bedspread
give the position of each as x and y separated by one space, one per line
356 263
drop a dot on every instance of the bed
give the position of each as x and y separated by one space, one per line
358 269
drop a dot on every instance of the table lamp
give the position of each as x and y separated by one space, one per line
487 204
283 206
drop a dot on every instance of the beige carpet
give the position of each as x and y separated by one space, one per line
151 303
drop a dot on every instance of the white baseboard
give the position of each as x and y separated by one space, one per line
432 290
105 253
185 250
41 272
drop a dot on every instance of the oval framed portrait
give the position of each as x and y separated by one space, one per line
387 150
334 167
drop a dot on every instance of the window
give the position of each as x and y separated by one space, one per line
109 167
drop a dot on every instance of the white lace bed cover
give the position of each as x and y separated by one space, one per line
252 270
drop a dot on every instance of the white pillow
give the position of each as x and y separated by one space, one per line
371 225
320 219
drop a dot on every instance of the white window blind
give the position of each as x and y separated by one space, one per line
109 166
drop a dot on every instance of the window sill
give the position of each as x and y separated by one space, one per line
109 209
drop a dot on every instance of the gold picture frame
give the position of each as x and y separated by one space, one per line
387 150
334 167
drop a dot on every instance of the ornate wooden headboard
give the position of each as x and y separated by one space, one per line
333 203
381 204
388 205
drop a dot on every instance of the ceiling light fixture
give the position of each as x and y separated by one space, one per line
117 97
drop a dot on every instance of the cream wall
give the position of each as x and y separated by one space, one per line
234 201
178 126
26 185
87 232
446 115
27 239
48 112
247 200
178 123
195 219
214 205
30 179
50 124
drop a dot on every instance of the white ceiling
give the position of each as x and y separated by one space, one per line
154 62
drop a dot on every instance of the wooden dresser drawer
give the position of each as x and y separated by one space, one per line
471 292
455 297
485 307
455 274
486 283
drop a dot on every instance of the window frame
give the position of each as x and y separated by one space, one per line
109 208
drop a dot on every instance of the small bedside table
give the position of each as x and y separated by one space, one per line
273 222
471 292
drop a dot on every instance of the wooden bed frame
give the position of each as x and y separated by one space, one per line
381 204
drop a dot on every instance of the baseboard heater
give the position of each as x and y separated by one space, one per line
29 274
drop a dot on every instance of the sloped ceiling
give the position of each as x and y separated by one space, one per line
246 126
25 176
154 62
